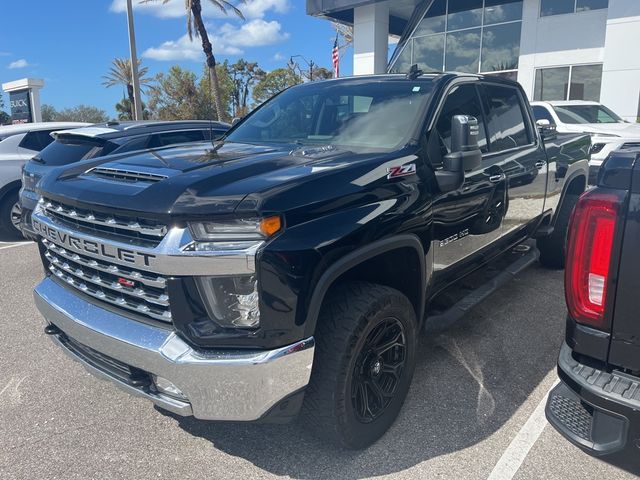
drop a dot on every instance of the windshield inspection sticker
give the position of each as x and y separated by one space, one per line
416 89
401 170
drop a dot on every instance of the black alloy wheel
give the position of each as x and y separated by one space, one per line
378 370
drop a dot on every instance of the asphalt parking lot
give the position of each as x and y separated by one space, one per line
473 412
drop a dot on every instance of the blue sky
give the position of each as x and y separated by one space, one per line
71 43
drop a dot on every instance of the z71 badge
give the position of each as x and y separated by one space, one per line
401 170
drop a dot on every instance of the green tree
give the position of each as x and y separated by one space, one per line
4 116
193 10
243 75
49 113
123 108
120 74
82 113
321 73
274 82
178 95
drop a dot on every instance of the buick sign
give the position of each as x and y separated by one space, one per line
20 107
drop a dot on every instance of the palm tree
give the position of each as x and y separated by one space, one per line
194 19
120 74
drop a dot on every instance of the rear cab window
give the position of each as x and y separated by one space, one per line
172 138
507 122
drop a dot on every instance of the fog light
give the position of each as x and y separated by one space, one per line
165 387
232 302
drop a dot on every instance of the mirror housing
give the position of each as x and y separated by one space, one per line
465 154
547 130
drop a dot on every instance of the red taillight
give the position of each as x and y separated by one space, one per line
589 248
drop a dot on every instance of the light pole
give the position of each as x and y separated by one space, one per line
309 63
137 107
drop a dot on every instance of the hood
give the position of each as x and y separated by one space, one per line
191 179
622 130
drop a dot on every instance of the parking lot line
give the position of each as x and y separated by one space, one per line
518 449
15 245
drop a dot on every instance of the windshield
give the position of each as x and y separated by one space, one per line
586 114
356 114
70 149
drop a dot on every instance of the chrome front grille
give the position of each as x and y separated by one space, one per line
120 175
123 229
134 290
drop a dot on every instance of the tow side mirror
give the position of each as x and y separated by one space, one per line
465 154
547 129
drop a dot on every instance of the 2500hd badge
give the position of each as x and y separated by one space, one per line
83 245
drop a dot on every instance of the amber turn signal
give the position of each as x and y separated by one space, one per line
271 225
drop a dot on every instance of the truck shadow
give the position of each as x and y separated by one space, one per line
469 381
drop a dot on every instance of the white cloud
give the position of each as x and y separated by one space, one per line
175 8
228 40
278 57
22 63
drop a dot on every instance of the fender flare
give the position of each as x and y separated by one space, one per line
577 172
356 258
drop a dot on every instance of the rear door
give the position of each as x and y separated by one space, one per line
513 144
469 219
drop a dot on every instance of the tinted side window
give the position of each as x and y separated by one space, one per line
36 140
506 121
185 136
462 100
65 151
541 113
138 143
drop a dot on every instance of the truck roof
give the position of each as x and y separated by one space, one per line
30 127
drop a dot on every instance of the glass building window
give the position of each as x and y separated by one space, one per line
580 82
500 47
429 52
463 51
499 11
434 21
470 36
464 14
559 7
582 5
586 81
551 83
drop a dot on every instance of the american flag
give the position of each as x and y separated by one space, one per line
336 59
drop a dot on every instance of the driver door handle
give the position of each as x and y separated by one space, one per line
497 178
540 165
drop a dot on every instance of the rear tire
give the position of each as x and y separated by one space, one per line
552 248
9 214
365 357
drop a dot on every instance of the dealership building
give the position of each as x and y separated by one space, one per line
556 49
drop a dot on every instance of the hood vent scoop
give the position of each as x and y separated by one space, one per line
128 176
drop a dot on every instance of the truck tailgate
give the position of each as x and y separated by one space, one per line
624 351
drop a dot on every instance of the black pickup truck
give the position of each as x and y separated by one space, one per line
287 268
597 404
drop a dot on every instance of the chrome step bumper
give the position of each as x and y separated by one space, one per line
230 385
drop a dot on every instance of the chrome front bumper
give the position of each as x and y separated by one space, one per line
233 385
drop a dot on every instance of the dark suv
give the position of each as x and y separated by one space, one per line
99 140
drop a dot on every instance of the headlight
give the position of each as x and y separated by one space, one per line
232 302
236 230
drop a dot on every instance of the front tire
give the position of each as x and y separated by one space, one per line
10 213
365 357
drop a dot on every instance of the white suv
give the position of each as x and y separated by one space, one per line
608 131
19 143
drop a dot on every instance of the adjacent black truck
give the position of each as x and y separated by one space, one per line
287 268
597 404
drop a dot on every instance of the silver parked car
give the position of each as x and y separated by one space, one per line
19 143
